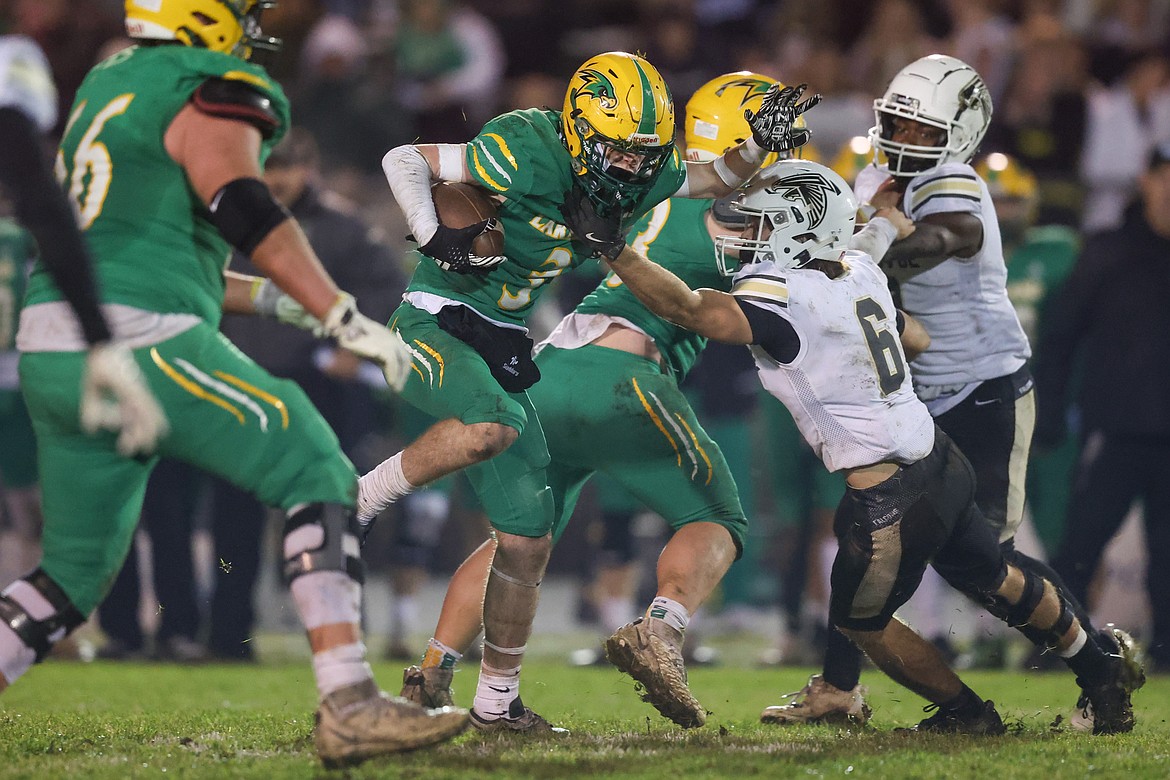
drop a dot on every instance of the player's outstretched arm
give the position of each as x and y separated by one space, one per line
936 238
773 130
220 156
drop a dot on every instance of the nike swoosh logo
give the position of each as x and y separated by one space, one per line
987 403
592 237
500 690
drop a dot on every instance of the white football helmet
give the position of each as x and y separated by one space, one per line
798 210
939 91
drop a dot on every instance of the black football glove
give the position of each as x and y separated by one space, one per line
773 125
602 235
451 248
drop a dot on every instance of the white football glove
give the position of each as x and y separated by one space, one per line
115 397
270 301
365 338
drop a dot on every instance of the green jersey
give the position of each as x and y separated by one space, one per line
520 156
16 249
675 236
154 245
1036 267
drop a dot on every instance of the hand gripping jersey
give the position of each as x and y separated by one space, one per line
154 246
26 83
848 388
962 302
520 156
675 236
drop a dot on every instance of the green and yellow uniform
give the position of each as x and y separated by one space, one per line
1036 268
521 157
18 457
622 414
159 264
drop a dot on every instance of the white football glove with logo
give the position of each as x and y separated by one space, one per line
115 397
365 338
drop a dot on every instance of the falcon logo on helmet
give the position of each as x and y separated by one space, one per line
801 211
227 26
618 127
814 189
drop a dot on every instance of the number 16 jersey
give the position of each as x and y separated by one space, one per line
847 388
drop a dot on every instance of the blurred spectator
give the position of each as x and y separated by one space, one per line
983 38
1111 314
1041 123
361 263
450 63
166 527
844 112
671 37
896 35
1124 122
70 32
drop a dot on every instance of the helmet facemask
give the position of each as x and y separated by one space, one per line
609 179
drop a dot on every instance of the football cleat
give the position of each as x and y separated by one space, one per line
820 702
986 724
430 687
1106 708
519 720
650 651
359 722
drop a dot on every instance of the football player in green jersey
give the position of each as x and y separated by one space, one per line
161 157
463 318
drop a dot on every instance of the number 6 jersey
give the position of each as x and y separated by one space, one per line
847 388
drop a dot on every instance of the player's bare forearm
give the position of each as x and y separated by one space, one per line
237 292
705 181
915 339
935 238
709 313
286 258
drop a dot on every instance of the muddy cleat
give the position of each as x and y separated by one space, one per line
359 722
986 724
519 720
820 702
650 652
1106 708
430 687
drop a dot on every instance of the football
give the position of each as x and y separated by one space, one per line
459 205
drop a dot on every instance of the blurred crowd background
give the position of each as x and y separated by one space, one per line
1082 95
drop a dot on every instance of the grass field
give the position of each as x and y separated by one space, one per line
105 720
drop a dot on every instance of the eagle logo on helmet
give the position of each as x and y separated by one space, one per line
597 86
810 188
750 87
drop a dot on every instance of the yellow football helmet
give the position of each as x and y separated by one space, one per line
714 114
618 108
1013 188
228 26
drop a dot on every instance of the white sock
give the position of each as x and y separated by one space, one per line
495 693
384 485
340 666
403 616
669 610
616 612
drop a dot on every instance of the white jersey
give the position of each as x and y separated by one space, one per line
962 302
26 83
847 388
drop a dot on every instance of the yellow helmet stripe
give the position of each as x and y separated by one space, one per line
648 122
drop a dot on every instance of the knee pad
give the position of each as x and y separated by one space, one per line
322 537
39 634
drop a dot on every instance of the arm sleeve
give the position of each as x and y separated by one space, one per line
771 332
42 208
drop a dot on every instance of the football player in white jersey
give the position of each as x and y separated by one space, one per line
951 276
824 332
